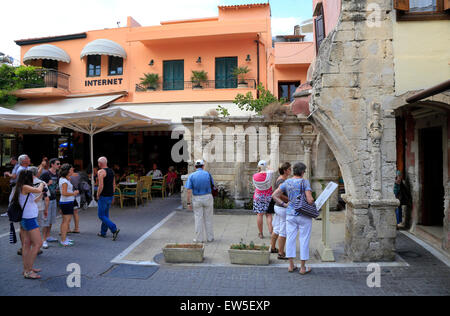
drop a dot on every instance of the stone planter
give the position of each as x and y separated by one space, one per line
249 257
184 253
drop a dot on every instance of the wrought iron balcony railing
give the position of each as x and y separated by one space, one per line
49 78
193 85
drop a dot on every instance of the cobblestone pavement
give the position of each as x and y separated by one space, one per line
425 274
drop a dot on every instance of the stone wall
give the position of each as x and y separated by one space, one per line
351 105
288 139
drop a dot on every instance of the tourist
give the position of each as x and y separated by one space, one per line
66 202
201 201
155 173
105 194
29 227
279 220
15 165
50 177
296 222
75 179
402 194
262 196
42 200
171 179
23 162
43 166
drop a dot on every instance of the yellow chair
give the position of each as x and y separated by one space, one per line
147 187
160 185
134 193
118 194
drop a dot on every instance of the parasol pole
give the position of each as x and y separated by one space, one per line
93 203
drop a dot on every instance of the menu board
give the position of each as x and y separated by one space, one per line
331 187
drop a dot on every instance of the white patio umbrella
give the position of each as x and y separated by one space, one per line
12 121
97 121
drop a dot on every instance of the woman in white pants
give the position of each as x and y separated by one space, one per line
279 220
296 222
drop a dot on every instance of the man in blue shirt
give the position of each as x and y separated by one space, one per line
201 201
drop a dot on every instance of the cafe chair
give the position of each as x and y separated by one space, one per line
134 193
160 185
147 188
118 194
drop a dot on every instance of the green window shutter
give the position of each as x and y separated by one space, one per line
173 75
224 72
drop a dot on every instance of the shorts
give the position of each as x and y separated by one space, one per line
29 224
279 221
66 208
51 216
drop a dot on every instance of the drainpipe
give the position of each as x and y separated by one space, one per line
257 67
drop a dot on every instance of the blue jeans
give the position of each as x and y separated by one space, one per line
399 214
104 203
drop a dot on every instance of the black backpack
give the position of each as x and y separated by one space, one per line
15 211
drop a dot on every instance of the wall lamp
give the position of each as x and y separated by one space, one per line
151 63
248 58
199 60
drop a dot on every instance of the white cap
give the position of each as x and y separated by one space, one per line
262 163
199 162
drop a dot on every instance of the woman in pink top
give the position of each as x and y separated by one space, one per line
262 197
171 178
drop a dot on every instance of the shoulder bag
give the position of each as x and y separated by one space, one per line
302 206
214 190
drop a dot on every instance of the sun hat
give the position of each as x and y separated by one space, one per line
262 163
199 163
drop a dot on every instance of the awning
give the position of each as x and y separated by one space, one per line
46 51
176 111
62 106
12 121
103 47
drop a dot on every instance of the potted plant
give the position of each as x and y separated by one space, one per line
250 254
198 77
151 81
184 253
239 73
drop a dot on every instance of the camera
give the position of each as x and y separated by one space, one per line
45 190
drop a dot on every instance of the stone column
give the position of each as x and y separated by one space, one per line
239 167
307 142
274 146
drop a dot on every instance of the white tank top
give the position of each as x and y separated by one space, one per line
31 209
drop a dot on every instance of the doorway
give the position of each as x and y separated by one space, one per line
431 175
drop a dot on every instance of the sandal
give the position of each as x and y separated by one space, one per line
274 250
293 270
280 257
36 270
306 272
75 232
31 275
260 235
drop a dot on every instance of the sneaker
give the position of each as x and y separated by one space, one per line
40 252
4 214
211 240
197 241
100 235
51 239
115 234
45 245
65 244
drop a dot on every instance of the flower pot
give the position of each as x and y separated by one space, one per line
242 85
249 257
184 253
197 87
151 88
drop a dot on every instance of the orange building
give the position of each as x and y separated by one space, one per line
111 64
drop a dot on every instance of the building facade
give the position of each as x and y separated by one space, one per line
365 70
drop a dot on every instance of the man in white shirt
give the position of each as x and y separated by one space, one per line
155 173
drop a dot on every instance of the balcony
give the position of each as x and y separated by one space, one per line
50 83
204 85
189 91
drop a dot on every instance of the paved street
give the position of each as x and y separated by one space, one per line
424 275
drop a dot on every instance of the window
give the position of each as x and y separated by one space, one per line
50 64
418 10
115 66
319 24
94 65
287 89
224 72
173 75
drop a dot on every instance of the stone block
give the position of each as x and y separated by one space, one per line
339 80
